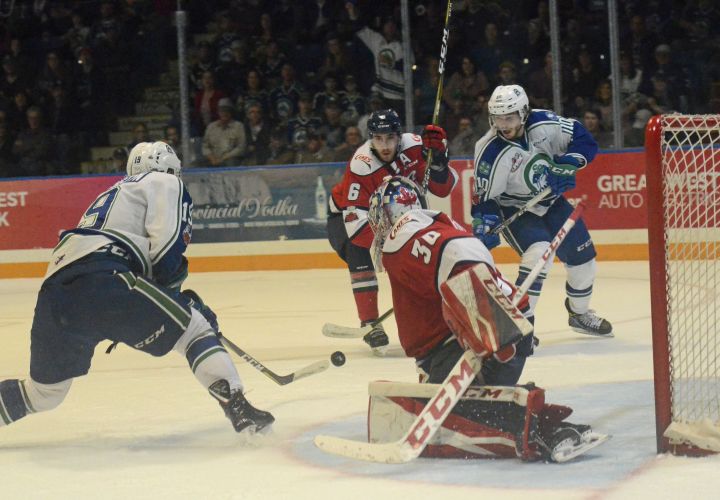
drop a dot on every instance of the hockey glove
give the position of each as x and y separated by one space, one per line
561 173
482 227
434 138
197 303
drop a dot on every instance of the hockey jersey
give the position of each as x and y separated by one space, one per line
149 214
365 172
513 171
421 251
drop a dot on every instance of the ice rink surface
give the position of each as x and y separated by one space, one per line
140 427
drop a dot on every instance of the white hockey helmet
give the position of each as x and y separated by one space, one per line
391 200
507 99
136 158
153 157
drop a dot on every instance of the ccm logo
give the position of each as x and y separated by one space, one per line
152 338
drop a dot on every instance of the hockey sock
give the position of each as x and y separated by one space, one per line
365 291
529 258
208 359
579 285
13 404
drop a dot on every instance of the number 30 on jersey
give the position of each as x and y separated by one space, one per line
419 250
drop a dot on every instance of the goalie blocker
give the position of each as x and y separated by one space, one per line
488 422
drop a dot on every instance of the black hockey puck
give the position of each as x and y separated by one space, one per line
337 358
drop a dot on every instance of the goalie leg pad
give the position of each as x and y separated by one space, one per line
480 313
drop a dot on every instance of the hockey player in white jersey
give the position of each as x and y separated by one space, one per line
524 152
117 277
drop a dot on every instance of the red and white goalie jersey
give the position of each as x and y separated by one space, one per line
422 250
365 172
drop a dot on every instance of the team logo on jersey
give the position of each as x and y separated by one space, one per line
363 158
516 161
351 217
386 58
187 234
483 168
535 174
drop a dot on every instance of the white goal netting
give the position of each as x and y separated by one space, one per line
690 157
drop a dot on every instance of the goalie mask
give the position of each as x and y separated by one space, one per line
153 157
391 200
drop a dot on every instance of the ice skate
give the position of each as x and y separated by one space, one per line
588 323
244 416
571 440
377 339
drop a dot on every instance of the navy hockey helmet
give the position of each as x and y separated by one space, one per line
385 121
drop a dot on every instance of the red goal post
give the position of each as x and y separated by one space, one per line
683 190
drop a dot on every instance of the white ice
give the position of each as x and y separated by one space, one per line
141 427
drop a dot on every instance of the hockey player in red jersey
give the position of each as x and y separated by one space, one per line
423 252
387 152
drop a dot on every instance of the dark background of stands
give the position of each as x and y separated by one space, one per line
83 81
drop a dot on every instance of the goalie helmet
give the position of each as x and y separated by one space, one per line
154 157
391 200
507 99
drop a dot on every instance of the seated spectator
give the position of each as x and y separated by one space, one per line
464 85
635 135
670 72
254 93
332 129
54 73
426 90
540 86
593 123
336 61
206 101
602 102
204 61
34 147
233 73
661 99
463 143
304 122
376 103
315 151
353 103
171 136
224 142
12 80
284 98
278 151
271 63
507 74
140 134
17 110
257 132
8 162
329 91
585 75
353 140
480 115
630 78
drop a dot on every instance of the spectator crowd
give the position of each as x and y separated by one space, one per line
294 81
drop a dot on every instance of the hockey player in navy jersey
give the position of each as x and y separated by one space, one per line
525 151
388 151
117 277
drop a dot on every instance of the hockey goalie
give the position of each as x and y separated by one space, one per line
450 299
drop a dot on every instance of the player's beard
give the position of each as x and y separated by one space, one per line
512 133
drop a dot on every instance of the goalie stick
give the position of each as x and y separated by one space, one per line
348 332
432 416
312 369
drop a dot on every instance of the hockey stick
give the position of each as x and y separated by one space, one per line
348 332
550 252
438 95
531 203
412 444
316 367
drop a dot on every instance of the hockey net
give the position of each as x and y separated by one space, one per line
683 181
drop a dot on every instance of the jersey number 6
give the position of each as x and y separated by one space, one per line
419 249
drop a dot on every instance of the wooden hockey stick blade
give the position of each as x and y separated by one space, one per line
348 332
316 367
531 203
412 444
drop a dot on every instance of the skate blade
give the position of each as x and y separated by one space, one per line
589 442
592 334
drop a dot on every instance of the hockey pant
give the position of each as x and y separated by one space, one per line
362 271
488 422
